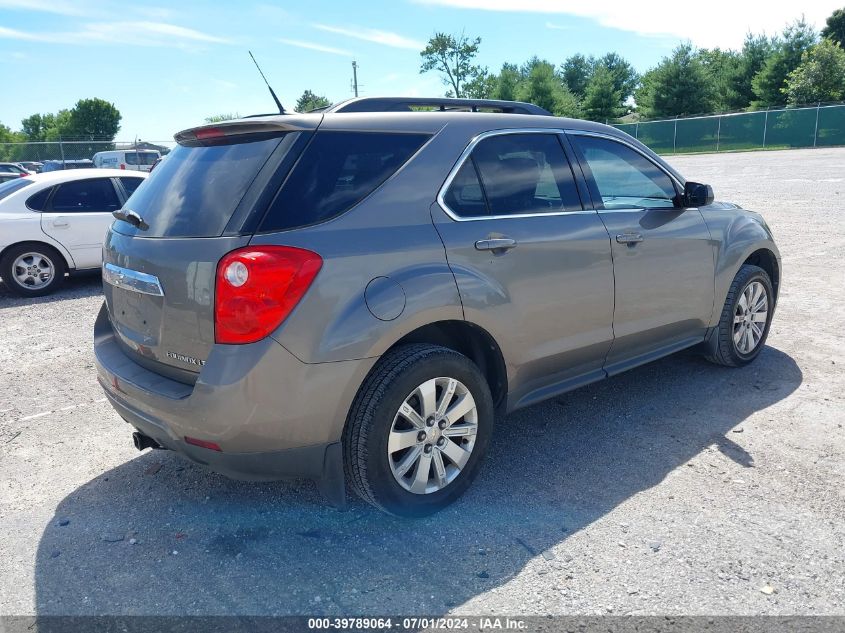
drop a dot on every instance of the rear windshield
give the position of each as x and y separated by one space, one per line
195 192
141 158
335 172
11 186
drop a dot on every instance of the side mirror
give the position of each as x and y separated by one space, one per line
697 195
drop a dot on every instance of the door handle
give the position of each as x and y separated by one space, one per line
495 244
60 223
629 238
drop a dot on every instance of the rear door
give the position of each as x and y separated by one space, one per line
662 254
533 266
202 202
78 214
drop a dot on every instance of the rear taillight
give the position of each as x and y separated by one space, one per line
122 166
256 288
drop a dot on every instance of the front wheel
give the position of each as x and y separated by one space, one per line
746 317
418 430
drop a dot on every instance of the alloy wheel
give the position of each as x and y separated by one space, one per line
433 435
750 316
33 270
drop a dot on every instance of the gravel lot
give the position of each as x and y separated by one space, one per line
678 488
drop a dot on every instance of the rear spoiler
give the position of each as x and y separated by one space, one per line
243 130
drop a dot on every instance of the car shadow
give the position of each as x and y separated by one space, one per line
158 535
77 286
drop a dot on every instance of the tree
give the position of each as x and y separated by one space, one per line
602 100
770 82
755 51
677 86
576 71
482 86
625 78
94 118
310 101
722 68
452 56
835 29
543 87
820 77
217 118
507 83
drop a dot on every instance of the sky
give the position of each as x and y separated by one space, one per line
167 66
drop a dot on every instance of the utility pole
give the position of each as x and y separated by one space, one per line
355 77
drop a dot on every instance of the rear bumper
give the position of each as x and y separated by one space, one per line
273 416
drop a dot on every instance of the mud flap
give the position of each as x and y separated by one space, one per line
333 485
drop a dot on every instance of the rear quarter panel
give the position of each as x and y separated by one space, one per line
389 234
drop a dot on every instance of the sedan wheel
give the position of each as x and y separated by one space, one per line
33 270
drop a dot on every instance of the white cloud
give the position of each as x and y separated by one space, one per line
121 31
720 23
135 33
313 46
386 38
61 7
558 27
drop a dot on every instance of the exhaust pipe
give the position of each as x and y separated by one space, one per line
142 441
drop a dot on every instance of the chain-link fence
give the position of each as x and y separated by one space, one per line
72 149
816 126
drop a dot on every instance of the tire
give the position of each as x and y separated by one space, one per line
722 347
45 257
375 421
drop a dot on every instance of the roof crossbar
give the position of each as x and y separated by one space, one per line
443 104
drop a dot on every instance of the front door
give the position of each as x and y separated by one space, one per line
662 254
78 214
533 267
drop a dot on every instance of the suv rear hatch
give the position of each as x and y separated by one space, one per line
205 199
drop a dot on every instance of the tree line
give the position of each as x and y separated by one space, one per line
795 67
89 119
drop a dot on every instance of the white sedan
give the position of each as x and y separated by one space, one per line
54 223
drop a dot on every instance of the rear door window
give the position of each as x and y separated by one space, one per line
514 174
335 172
91 195
195 192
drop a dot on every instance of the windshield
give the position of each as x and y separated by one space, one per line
11 186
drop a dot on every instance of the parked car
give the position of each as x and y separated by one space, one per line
354 297
137 160
54 223
14 169
58 165
33 167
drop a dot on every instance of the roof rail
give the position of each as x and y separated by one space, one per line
444 104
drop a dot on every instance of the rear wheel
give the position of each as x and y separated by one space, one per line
745 320
418 430
32 270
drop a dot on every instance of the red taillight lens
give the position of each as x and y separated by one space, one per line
256 289
209 132
122 166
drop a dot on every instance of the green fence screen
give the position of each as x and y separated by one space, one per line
819 126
